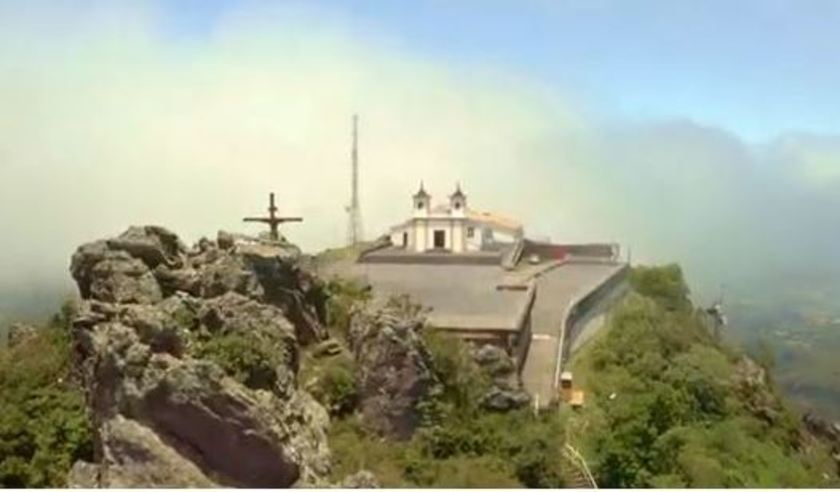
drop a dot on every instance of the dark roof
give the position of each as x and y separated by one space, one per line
458 193
421 193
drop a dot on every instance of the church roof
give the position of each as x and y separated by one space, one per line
494 219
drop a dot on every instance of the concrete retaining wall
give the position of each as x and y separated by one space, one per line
582 308
591 305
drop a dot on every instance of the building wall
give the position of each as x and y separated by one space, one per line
445 224
458 233
472 243
419 236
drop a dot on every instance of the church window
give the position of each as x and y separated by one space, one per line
470 232
457 205
419 205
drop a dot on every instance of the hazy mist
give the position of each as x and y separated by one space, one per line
119 124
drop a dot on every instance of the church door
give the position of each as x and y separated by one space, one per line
440 239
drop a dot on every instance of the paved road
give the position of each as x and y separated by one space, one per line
556 289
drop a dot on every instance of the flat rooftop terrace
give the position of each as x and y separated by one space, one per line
460 296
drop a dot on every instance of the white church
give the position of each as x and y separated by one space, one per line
452 227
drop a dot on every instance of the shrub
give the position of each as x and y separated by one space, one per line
343 297
664 284
44 426
462 379
245 358
335 385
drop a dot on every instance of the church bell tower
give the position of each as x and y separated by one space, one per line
458 202
422 202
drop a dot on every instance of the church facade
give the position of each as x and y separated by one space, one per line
452 227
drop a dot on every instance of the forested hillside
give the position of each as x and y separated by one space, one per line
669 406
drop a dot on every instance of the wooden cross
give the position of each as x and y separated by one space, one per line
273 220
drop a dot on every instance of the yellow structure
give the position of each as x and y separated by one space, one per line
568 393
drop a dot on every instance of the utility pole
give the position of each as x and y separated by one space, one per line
354 214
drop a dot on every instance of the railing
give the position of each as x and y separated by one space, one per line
576 460
512 257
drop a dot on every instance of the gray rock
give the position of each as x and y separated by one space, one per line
119 278
327 348
227 273
83 475
135 456
264 324
394 369
494 361
503 400
362 479
225 240
213 418
164 416
19 333
82 263
822 428
178 280
154 245
268 273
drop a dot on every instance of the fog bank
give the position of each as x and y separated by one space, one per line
111 123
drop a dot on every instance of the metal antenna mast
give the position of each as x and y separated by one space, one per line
354 225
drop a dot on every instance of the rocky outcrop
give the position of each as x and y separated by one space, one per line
189 360
20 332
394 371
505 392
826 431
362 479
751 382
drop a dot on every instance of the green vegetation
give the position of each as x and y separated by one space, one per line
490 450
459 444
246 358
343 295
44 428
332 381
664 284
664 408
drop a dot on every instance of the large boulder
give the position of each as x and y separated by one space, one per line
269 273
154 245
505 392
113 276
394 369
169 374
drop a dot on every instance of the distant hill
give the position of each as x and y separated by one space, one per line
34 302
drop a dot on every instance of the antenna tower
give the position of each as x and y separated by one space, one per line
354 223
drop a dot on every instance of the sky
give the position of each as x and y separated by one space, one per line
694 131
718 62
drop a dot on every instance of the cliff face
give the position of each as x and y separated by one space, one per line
189 360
